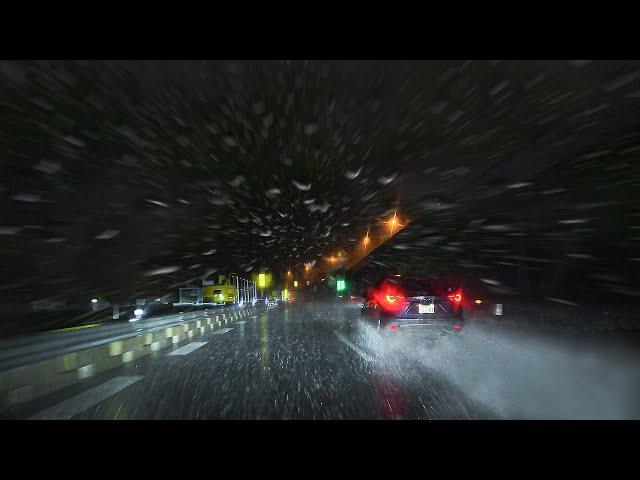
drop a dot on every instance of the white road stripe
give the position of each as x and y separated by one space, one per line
221 331
187 349
353 347
241 322
81 402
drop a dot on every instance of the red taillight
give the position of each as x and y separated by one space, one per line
392 298
389 297
393 328
457 326
455 297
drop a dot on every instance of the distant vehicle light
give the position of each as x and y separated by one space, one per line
478 301
94 300
138 312
393 328
457 326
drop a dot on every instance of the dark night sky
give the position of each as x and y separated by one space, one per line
130 177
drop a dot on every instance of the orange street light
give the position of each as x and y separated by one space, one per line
365 241
393 222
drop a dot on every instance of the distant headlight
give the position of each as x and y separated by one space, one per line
138 312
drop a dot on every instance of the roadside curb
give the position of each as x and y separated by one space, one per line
28 382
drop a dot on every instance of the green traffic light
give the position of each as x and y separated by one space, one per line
340 285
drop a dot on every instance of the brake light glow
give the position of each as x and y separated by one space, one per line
455 297
389 297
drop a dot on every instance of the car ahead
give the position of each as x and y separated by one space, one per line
412 304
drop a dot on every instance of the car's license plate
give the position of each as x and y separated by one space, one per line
426 308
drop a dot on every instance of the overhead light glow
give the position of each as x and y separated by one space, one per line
393 222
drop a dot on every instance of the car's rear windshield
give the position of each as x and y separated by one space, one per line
423 286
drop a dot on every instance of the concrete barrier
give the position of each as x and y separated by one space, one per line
28 382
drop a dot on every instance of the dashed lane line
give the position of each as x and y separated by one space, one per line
187 349
353 347
81 402
221 331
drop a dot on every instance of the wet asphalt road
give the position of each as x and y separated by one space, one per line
306 361
319 361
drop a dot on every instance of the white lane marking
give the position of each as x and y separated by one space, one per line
187 349
221 331
353 347
241 322
81 402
